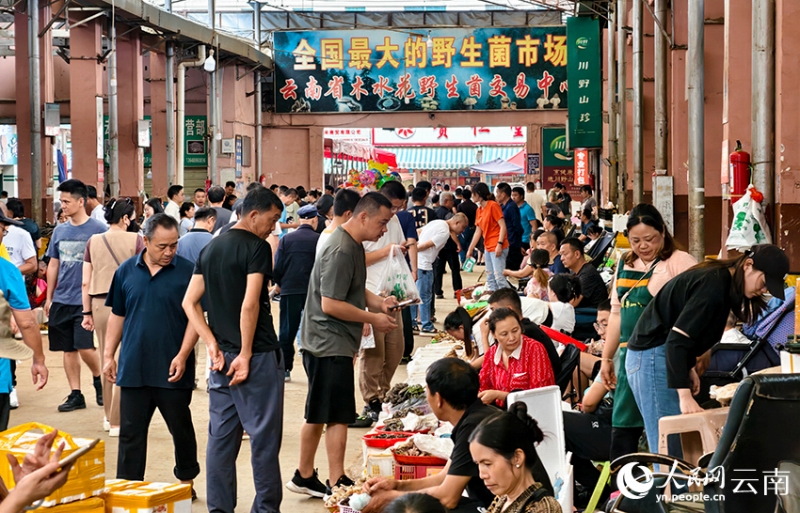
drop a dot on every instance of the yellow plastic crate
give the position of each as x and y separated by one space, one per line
86 478
143 497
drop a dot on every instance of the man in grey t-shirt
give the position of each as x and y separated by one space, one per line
334 318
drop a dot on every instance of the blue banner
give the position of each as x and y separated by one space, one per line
421 70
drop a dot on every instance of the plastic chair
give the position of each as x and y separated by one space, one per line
708 425
758 437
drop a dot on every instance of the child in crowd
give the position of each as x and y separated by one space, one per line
537 286
564 294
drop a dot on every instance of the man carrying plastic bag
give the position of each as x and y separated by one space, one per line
749 227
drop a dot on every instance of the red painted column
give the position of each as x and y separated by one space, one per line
85 85
158 117
23 100
130 102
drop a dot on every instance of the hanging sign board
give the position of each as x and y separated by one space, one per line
585 80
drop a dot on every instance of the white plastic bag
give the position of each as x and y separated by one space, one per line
368 342
398 281
749 226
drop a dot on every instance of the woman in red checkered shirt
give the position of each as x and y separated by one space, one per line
515 362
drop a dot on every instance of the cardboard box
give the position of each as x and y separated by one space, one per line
143 497
86 478
92 505
405 472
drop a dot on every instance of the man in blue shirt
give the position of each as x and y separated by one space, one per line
64 305
513 226
294 261
526 215
191 244
156 360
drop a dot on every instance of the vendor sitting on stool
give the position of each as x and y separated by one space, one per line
516 362
453 397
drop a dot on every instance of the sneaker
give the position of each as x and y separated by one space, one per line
367 418
343 481
13 399
98 390
428 333
194 494
113 432
287 377
375 408
404 360
106 425
307 485
415 328
75 401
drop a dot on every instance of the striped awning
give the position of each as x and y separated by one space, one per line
448 157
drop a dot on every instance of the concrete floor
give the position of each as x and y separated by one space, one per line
41 407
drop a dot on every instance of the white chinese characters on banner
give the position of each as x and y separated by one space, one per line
582 167
450 136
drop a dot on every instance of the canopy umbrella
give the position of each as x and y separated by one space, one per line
498 167
520 159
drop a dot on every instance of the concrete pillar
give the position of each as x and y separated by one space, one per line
787 130
736 94
85 85
47 82
158 117
131 109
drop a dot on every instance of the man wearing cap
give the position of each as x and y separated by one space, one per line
294 261
16 303
685 319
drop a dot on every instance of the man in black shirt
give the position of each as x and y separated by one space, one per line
469 209
422 214
453 396
247 371
593 289
449 253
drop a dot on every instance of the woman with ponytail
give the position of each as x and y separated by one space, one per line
503 446
104 254
490 224
683 322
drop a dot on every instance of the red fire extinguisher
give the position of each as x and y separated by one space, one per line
739 172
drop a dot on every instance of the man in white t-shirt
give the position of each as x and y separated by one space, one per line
377 365
535 200
96 210
21 250
432 239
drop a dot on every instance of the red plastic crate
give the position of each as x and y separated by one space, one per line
404 472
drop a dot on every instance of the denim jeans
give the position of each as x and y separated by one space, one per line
495 265
647 376
425 286
465 238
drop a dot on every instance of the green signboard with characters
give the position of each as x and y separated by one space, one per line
585 80
195 154
557 160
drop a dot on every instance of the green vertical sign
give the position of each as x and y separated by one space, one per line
195 144
585 83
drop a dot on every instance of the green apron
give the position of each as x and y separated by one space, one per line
634 284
